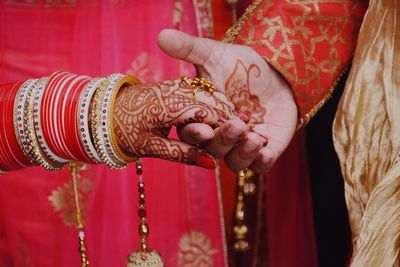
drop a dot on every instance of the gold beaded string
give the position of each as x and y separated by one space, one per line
245 186
78 217
143 226
145 256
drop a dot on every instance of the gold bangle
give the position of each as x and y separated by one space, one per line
83 118
117 85
95 126
102 123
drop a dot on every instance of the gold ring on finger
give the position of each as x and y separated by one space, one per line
199 84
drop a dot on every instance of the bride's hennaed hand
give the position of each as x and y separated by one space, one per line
145 113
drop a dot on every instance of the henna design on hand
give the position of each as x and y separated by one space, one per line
144 115
237 89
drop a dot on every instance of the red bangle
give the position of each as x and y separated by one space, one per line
53 129
71 122
59 108
64 121
43 109
11 154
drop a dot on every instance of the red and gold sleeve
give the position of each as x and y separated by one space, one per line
309 42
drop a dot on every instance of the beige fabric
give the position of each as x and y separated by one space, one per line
367 138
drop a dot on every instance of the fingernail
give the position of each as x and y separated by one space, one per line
265 139
244 117
205 161
249 146
265 142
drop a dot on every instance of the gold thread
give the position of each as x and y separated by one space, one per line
307 117
78 216
72 167
231 34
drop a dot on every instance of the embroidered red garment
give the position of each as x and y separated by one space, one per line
308 42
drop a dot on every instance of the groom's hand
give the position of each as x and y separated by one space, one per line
259 93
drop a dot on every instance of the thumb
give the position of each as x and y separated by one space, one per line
180 45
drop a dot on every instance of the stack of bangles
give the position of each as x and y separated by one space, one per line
52 120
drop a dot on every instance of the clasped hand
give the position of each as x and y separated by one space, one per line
249 121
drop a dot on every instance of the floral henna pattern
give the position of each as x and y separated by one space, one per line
237 89
144 115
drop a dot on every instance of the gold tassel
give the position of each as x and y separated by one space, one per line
145 256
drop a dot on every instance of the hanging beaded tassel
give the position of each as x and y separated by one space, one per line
145 256
244 187
78 215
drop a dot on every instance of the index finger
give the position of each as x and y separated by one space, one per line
203 107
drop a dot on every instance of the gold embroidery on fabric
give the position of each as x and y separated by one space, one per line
281 40
196 250
204 18
326 26
62 199
231 34
177 13
303 121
